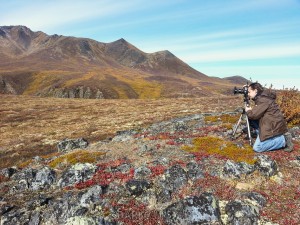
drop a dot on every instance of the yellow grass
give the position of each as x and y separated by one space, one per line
31 126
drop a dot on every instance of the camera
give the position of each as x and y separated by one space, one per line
243 90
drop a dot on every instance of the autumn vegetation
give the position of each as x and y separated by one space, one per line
33 126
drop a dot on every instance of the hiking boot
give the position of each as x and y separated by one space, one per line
289 146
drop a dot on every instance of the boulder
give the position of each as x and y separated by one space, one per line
232 169
203 209
194 171
266 165
174 178
240 212
137 187
70 144
80 172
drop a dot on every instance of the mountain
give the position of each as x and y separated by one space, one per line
34 63
238 80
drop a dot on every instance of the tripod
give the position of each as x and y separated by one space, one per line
248 126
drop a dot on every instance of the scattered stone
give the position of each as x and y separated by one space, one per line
70 144
34 179
174 178
78 220
5 209
236 170
145 149
194 171
203 209
124 168
141 172
15 216
77 173
44 178
38 201
125 135
163 196
137 187
240 212
266 165
60 209
255 199
91 197
8 172
161 161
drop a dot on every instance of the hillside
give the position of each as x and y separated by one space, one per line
34 63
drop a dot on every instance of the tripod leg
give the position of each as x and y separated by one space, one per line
248 128
237 125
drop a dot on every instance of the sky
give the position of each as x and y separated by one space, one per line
256 39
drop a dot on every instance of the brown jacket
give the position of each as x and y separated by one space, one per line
266 110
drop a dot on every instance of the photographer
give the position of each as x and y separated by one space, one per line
272 125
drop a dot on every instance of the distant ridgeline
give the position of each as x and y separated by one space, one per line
34 63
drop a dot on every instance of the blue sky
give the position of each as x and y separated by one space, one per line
257 39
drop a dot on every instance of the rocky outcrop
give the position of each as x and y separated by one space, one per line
79 92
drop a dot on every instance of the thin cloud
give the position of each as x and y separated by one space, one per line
246 53
57 13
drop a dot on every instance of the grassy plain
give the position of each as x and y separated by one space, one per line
32 126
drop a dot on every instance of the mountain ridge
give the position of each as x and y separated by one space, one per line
115 70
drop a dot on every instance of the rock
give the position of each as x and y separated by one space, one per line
145 149
266 165
194 171
161 161
141 172
80 220
38 201
174 178
35 218
15 216
5 209
236 170
91 197
180 126
34 179
242 213
77 173
255 199
8 172
24 179
124 168
163 196
70 144
137 187
44 178
194 210
59 210
125 135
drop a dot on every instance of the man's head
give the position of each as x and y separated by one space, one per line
254 90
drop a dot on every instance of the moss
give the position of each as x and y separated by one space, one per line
216 146
80 156
225 118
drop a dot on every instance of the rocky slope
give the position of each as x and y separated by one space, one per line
182 171
54 65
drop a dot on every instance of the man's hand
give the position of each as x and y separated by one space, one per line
247 108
